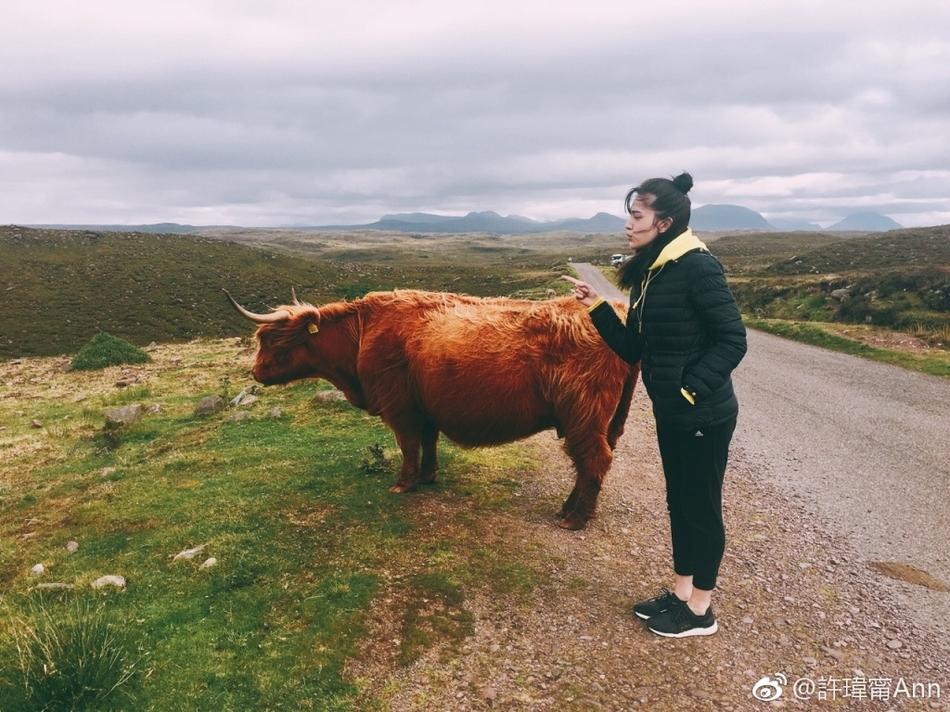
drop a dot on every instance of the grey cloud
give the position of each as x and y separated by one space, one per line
360 124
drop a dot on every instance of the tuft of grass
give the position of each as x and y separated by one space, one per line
934 335
68 657
812 333
104 350
376 462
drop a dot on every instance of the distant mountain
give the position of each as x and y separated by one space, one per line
871 222
780 224
601 222
486 221
412 218
727 217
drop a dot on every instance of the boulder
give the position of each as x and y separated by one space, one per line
54 586
188 553
246 401
110 580
125 415
330 396
210 405
247 396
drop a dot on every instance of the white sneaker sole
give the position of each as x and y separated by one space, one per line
691 632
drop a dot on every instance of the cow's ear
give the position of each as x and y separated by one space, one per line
312 328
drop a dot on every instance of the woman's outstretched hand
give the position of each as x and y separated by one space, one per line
583 292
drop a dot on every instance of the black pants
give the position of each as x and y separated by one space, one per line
694 466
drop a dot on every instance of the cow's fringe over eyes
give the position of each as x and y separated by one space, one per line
293 331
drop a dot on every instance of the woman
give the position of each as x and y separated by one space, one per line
684 328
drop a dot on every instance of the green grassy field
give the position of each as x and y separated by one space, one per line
897 280
293 506
60 287
312 549
936 362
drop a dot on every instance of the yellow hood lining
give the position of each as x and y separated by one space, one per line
679 246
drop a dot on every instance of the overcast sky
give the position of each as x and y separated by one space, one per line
285 113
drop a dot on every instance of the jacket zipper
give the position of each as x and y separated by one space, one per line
641 300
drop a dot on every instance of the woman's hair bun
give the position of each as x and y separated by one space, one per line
683 182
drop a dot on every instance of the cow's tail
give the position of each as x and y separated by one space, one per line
615 429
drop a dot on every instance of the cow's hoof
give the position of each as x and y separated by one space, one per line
400 488
572 523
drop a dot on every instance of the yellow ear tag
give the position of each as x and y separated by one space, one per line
312 328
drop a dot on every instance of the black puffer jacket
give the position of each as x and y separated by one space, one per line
686 332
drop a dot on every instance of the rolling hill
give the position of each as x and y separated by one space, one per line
897 249
484 222
727 217
869 222
61 287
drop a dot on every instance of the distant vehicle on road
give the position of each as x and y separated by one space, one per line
617 260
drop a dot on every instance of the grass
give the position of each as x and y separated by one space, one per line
911 248
69 655
898 280
307 540
151 287
103 350
936 363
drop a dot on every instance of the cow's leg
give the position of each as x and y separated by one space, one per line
430 439
592 456
569 503
409 439
619 419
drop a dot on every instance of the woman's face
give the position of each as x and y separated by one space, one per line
642 226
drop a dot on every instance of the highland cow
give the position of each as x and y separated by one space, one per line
481 371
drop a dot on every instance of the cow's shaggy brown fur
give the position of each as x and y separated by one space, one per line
482 371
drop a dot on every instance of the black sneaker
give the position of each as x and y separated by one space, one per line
656 605
680 622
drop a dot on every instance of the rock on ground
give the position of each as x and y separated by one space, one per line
109 580
125 415
188 553
331 396
210 405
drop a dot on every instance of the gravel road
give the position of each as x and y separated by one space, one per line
792 599
795 598
865 445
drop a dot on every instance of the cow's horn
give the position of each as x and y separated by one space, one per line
278 315
293 293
